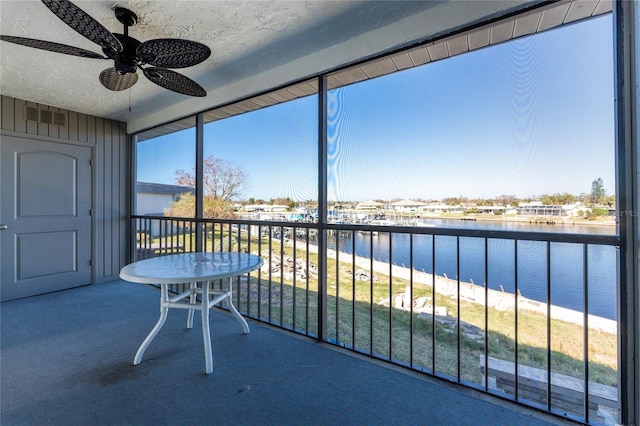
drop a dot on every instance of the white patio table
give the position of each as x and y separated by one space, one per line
199 270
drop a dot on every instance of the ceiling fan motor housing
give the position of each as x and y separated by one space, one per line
125 61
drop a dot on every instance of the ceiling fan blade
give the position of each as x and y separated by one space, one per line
174 81
113 80
172 52
84 24
52 47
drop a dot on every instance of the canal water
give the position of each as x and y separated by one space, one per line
566 270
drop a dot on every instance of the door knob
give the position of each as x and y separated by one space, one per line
3 226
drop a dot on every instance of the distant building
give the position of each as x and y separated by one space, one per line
407 205
266 211
438 208
559 210
369 205
153 198
265 208
491 209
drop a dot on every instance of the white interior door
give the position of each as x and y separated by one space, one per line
45 202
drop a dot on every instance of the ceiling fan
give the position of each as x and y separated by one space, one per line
153 57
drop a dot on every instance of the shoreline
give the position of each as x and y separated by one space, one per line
532 220
604 221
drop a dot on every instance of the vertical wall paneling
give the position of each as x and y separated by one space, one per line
63 131
98 195
110 132
120 256
98 139
114 217
124 194
110 213
82 128
19 121
8 113
91 129
54 131
109 141
32 126
43 128
103 185
117 196
72 125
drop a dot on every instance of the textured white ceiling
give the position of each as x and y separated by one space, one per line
256 45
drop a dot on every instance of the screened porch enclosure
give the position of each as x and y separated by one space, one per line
445 196
459 224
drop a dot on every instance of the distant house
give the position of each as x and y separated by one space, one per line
265 208
511 210
437 208
491 209
561 210
153 198
369 205
407 205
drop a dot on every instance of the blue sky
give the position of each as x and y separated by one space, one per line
524 118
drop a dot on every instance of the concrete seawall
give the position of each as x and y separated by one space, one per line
469 292
473 293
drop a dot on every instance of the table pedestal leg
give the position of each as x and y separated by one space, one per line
164 309
192 306
234 311
206 335
192 300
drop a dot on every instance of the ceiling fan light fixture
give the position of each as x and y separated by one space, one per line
113 80
124 67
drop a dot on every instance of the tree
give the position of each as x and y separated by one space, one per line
283 202
454 201
609 200
597 191
222 180
222 183
558 199
507 200
185 206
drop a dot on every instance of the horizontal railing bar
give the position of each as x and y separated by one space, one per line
596 239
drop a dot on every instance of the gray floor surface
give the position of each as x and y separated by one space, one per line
66 359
